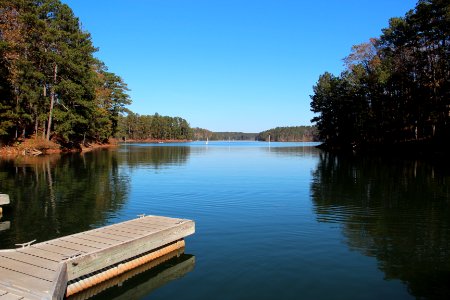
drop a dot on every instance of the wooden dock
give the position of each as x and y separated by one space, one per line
52 269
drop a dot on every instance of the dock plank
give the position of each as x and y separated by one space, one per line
42 254
108 236
31 260
122 232
14 278
83 241
9 296
89 236
140 226
56 249
131 226
24 268
72 246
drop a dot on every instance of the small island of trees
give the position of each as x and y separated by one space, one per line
395 90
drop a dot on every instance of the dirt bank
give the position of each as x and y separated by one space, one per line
35 147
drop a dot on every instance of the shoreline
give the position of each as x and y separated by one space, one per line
32 147
153 141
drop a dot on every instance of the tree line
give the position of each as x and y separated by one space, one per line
279 134
153 127
50 83
289 134
203 134
395 88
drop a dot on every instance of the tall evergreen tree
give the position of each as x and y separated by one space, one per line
51 84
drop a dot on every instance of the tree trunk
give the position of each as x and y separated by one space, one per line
52 101
36 126
17 111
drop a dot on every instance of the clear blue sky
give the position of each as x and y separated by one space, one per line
230 65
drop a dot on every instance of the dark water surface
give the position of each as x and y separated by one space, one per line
281 222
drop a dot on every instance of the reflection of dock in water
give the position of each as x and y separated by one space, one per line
143 280
5 225
4 200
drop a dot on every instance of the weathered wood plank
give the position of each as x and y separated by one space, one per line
10 296
130 229
143 226
32 260
24 268
13 293
140 226
42 253
108 236
147 224
24 280
121 233
88 263
82 241
72 246
89 236
59 285
56 249
163 221
4 199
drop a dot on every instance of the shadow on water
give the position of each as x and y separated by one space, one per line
396 210
56 195
294 151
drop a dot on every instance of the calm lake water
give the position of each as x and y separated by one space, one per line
278 221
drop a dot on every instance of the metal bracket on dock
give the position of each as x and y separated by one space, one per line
25 245
141 215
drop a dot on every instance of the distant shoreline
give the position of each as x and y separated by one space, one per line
153 141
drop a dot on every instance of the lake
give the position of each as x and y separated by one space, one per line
273 221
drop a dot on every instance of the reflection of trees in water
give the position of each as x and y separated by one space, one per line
57 195
154 156
294 151
395 210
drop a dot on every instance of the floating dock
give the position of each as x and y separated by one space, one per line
67 265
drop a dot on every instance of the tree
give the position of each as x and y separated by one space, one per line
51 83
396 89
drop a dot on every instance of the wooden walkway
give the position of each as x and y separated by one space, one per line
42 271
